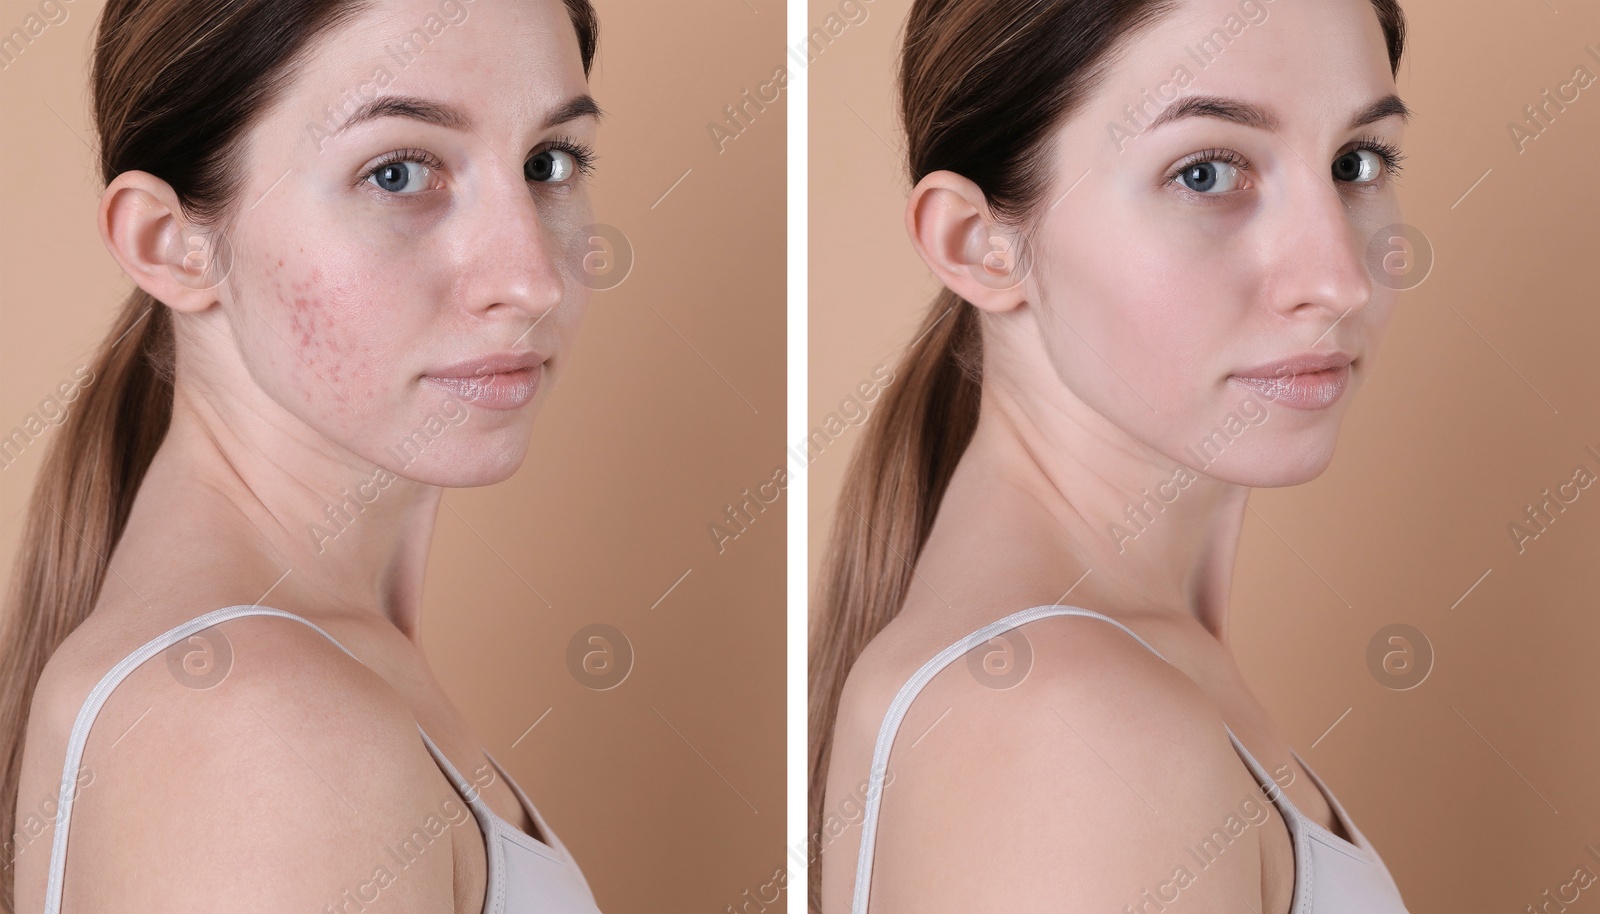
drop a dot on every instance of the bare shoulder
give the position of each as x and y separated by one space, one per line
257 759
1060 763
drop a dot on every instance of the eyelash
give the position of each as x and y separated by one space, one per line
412 154
582 154
1390 154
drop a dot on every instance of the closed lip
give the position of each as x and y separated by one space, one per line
1303 363
493 363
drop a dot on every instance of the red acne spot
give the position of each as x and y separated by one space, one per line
280 262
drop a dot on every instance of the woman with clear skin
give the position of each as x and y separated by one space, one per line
1131 263
353 229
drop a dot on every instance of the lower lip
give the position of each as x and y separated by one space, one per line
504 390
1317 390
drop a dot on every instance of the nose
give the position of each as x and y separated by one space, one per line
1318 253
514 258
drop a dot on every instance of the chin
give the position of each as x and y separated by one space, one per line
481 475
1274 465
467 465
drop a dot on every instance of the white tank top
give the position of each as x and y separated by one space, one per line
1331 875
525 874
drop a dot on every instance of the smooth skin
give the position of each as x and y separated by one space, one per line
284 787
1082 788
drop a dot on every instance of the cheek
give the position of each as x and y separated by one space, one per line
315 337
1154 313
1380 311
328 326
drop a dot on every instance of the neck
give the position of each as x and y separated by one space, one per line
1154 535
342 534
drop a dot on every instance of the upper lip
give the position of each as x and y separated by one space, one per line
492 363
1302 363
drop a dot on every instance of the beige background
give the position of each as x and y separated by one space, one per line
669 789
1444 449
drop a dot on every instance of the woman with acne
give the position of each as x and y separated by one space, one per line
355 275
1121 277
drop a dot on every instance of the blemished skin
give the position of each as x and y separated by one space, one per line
307 343
306 365
1105 367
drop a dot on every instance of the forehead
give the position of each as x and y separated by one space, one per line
475 53
1301 60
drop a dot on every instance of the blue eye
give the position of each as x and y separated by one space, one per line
404 172
1204 177
396 177
1205 172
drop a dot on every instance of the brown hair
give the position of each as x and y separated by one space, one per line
177 86
983 85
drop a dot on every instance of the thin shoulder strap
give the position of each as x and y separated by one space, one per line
902 703
97 698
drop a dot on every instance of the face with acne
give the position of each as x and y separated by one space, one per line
376 257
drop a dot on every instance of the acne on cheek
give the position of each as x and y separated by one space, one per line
320 348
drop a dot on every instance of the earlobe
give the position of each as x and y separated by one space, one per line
179 263
952 228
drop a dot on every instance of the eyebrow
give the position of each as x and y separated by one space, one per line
446 115
1249 115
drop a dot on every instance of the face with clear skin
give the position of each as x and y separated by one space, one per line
366 256
1203 247
1150 274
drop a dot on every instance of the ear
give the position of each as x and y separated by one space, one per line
976 257
143 226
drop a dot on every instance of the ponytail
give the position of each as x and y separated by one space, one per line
891 494
80 505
